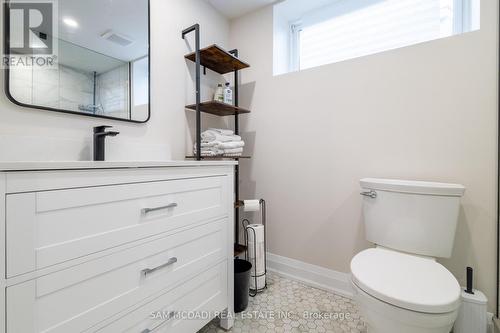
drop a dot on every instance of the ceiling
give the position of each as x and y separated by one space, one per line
95 17
236 8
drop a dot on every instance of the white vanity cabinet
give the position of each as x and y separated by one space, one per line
116 247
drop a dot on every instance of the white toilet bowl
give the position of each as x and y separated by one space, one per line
403 293
385 318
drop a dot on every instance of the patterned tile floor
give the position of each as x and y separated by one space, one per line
289 306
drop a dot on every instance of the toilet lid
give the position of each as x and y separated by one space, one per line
407 281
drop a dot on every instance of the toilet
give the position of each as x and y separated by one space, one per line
398 285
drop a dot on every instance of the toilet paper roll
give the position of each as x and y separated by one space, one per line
259 233
256 255
256 241
251 205
261 283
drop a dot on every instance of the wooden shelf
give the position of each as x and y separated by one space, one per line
218 108
239 249
218 158
218 60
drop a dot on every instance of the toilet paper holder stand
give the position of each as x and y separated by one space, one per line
247 229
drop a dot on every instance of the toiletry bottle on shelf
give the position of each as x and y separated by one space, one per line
219 94
228 94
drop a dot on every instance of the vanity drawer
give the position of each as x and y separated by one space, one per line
51 227
80 297
174 311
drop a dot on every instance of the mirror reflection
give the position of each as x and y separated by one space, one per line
103 62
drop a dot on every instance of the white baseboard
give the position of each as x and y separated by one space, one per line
311 275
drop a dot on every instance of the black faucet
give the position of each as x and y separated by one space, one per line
100 135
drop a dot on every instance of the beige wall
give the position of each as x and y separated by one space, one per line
425 112
27 134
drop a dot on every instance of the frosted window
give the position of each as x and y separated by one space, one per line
345 29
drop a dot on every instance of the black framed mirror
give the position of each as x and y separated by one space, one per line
98 52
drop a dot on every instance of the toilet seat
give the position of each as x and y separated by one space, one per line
407 281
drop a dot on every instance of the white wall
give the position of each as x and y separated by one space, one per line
27 134
426 112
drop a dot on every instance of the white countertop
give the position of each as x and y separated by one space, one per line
78 165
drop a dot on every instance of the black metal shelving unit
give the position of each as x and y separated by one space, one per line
223 62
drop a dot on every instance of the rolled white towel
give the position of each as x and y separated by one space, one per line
210 136
233 155
222 131
233 151
231 145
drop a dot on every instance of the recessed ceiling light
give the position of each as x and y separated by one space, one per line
70 22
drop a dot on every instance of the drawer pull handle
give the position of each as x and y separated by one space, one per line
147 330
170 262
149 210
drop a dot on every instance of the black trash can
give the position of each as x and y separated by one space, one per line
242 270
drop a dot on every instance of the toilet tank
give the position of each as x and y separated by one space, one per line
411 216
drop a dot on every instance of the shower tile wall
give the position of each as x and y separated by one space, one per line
46 87
75 88
21 85
65 88
113 91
